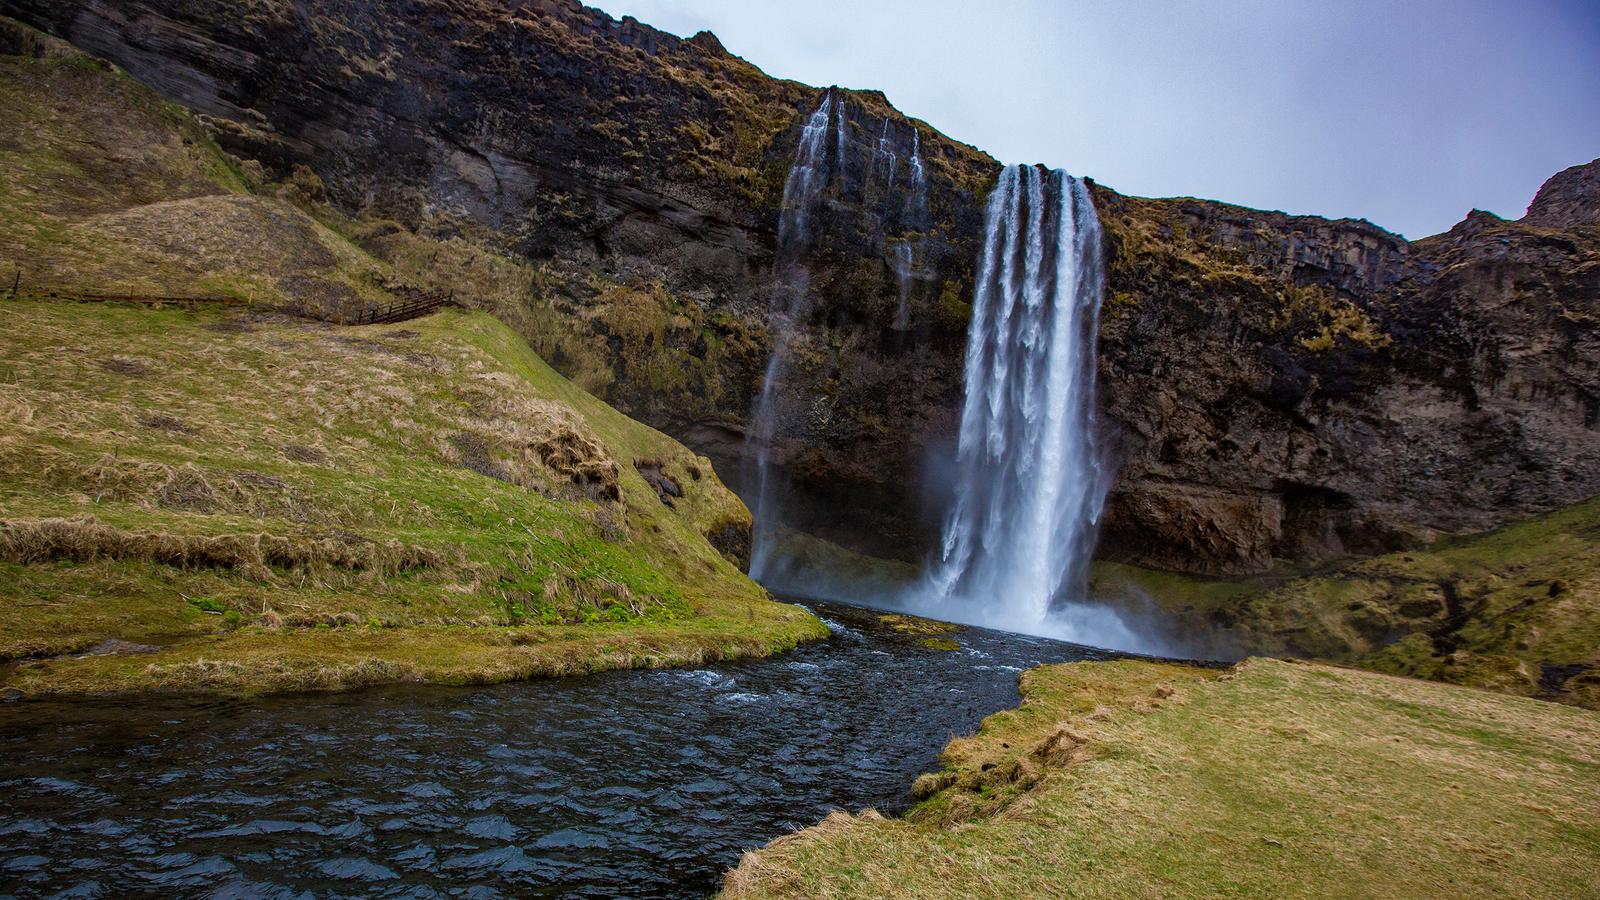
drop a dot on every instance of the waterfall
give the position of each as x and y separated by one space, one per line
805 182
1030 483
841 139
885 154
789 304
919 178
915 218
903 273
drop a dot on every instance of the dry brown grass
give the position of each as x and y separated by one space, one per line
532 442
85 540
1134 779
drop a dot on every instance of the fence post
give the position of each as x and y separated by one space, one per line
16 284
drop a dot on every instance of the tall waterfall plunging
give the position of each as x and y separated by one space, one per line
789 303
1030 481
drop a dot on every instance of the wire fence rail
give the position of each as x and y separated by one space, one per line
142 299
415 306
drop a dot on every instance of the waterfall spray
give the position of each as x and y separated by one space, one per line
1030 483
789 303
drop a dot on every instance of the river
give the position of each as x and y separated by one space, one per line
644 784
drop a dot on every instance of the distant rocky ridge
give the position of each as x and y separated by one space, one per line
1273 386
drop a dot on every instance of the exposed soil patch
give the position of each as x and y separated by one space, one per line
655 473
120 365
118 647
163 422
301 453
472 452
583 461
732 540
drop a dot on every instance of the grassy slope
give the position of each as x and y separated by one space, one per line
1133 779
1491 610
186 425
187 437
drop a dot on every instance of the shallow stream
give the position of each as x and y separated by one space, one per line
643 784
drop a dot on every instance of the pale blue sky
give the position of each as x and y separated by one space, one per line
1408 113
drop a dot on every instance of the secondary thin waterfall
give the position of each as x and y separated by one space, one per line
916 219
1030 482
903 275
885 154
789 302
919 178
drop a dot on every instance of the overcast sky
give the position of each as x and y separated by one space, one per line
1408 113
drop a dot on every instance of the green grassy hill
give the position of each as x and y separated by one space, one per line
281 504
1273 779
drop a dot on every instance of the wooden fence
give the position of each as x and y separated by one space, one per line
404 310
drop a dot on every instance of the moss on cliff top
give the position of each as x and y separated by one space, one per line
1235 261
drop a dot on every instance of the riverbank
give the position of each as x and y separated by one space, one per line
1515 610
246 503
1139 779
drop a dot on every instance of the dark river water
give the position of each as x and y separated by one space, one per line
640 784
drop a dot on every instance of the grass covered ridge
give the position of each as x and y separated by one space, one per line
1516 609
279 505
111 189
1137 779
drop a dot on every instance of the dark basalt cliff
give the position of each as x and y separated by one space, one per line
1297 388
1273 386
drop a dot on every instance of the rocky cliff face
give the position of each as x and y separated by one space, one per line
1296 388
1274 386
